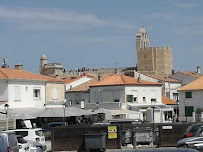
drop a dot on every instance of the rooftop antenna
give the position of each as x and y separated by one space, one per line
5 60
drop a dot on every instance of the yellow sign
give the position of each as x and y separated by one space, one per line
112 132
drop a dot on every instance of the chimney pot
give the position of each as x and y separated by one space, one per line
198 69
19 67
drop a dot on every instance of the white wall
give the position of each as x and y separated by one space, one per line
107 93
3 91
26 94
171 88
196 101
139 89
70 96
77 82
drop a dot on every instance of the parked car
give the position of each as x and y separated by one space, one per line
192 129
160 150
32 135
8 142
28 146
23 145
48 126
189 142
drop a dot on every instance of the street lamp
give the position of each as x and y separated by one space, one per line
64 111
153 104
185 103
97 105
177 103
6 106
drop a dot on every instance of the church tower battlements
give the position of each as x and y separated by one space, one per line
152 60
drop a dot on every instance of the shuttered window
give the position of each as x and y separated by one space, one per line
54 93
134 93
17 93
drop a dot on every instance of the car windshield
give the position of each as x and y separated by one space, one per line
21 140
39 133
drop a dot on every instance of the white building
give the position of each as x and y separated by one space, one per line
22 89
123 92
191 96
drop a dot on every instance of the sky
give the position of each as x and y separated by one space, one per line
97 33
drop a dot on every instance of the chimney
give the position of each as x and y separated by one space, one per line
19 67
139 79
99 77
5 66
173 71
198 69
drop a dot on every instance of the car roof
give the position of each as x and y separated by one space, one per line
32 129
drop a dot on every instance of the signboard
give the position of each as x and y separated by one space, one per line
167 127
129 98
112 132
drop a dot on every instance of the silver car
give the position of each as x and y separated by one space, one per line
8 142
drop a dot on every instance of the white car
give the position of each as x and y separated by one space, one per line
35 134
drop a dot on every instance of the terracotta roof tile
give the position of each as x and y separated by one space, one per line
20 74
194 85
163 78
85 86
113 80
166 100
191 73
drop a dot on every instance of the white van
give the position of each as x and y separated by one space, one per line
35 134
8 142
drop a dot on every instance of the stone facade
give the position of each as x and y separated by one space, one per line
152 60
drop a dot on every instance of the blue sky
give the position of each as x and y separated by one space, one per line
96 33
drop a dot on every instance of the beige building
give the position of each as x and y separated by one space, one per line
55 93
152 60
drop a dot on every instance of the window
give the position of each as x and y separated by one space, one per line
134 93
175 96
17 93
116 96
98 96
144 96
36 93
153 95
188 94
54 93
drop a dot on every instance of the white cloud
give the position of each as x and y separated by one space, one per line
52 18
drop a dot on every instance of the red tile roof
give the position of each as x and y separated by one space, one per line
192 74
20 74
163 78
166 100
114 80
194 85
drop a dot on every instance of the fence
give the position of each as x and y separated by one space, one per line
67 138
11 124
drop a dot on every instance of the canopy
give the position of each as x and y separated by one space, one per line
24 116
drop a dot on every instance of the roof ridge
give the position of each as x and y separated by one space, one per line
122 77
4 74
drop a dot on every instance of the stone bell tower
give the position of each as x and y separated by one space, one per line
152 60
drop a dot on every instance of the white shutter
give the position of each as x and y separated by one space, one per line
17 93
134 93
98 96
116 94
54 93
143 93
153 94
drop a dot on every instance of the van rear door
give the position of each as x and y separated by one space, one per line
13 142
